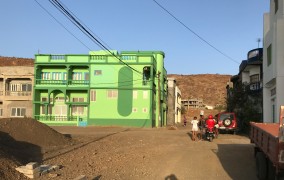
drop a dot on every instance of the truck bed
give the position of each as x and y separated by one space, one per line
271 128
265 138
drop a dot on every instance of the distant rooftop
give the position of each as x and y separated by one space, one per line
14 61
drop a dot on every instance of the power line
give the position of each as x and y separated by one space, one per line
68 30
195 33
83 29
62 25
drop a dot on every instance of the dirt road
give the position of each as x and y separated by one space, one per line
122 153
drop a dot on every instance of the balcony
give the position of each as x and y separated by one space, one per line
17 95
254 87
62 82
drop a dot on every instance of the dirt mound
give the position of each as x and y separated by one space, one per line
23 140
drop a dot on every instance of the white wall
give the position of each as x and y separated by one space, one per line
273 75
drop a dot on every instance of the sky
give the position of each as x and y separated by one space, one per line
231 27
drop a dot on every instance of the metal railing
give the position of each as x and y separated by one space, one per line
59 119
62 82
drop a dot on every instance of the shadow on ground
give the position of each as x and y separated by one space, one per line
237 160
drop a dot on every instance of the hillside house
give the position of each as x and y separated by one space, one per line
99 88
16 87
174 102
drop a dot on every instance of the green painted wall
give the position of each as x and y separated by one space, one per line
123 96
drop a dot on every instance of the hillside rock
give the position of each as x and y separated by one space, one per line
211 88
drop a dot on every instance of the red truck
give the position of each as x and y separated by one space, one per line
269 149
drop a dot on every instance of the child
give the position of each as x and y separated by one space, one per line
184 121
194 129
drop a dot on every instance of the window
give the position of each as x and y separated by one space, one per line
78 99
146 74
77 110
20 87
44 99
97 72
59 99
93 95
87 76
26 87
145 94
18 112
45 76
254 78
275 6
1 112
112 94
269 55
77 76
135 94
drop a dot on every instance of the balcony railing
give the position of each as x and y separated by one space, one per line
62 82
62 119
17 93
255 86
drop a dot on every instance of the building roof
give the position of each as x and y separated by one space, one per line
14 61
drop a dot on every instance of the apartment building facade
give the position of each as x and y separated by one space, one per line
244 91
16 87
174 102
99 88
273 61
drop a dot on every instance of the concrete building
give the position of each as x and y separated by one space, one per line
273 61
16 87
174 102
244 92
192 103
124 89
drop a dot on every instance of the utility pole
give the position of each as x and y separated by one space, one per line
159 98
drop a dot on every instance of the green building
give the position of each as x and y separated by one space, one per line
101 88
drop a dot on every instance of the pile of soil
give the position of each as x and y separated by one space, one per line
24 140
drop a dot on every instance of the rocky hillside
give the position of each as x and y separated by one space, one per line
209 87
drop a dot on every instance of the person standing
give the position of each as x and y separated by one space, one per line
201 126
184 121
194 129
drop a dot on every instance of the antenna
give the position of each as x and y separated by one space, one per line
258 40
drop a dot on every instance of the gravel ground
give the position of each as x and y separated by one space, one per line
134 153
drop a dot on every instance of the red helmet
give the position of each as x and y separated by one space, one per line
210 117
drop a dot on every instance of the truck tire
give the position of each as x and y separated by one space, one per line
271 174
261 166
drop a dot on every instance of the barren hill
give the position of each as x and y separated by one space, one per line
14 61
209 87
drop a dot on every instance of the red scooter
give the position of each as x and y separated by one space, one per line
210 133
210 128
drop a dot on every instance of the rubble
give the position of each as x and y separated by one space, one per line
34 170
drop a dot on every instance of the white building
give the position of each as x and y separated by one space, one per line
273 61
174 102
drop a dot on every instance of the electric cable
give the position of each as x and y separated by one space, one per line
83 29
202 39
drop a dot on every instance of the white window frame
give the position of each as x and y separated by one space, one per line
16 112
